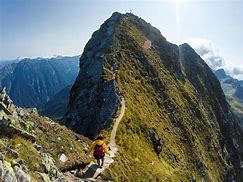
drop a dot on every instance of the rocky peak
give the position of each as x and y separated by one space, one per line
166 87
95 86
6 104
220 73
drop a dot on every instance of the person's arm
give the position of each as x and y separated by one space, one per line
91 148
105 149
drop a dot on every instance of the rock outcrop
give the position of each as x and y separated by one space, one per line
30 145
94 96
12 172
166 87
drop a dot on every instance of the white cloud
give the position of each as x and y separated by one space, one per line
236 72
210 54
208 51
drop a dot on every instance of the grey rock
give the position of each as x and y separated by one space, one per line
1 157
12 130
20 112
38 147
2 171
21 176
35 111
12 152
9 177
48 164
94 100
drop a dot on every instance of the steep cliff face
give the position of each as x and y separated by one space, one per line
94 96
177 125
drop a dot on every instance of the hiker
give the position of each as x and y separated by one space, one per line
99 147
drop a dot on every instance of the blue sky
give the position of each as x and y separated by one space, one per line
31 28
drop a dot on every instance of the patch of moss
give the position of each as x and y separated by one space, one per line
27 153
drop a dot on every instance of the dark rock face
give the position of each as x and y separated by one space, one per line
12 152
32 82
94 99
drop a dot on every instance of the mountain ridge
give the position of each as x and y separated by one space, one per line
175 106
32 82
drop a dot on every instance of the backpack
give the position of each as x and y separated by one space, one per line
98 151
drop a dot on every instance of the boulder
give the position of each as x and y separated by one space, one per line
157 143
63 158
21 176
7 172
1 157
48 164
9 177
1 170
12 152
38 147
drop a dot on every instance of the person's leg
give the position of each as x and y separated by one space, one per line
98 162
102 161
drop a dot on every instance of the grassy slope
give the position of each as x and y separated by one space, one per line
170 112
54 139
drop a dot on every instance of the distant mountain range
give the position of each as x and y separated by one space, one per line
233 90
33 82
4 63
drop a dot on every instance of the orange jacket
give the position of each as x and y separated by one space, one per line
99 142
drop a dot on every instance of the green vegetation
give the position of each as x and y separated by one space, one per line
57 140
156 99
53 140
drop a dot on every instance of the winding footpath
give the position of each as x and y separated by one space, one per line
92 171
116 124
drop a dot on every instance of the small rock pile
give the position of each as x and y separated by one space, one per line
10 122
13 171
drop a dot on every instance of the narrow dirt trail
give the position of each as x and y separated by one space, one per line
116 124
92 171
